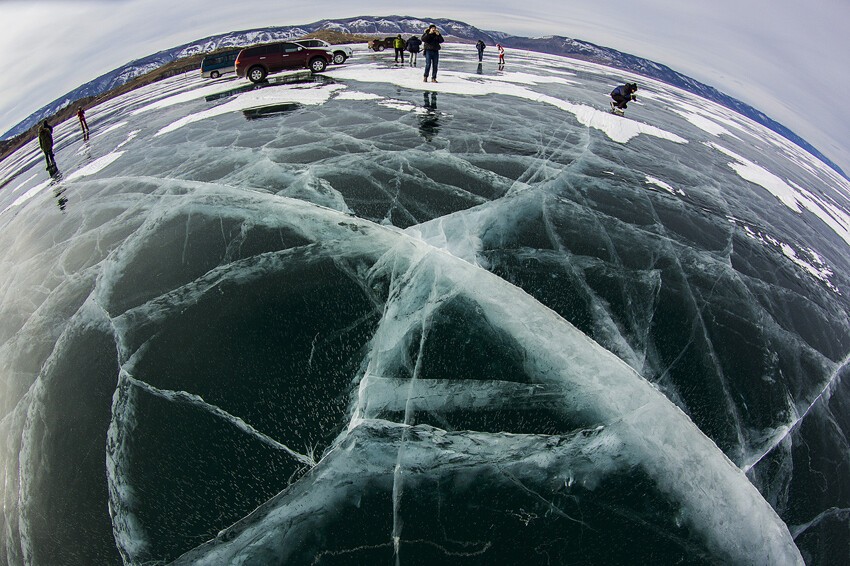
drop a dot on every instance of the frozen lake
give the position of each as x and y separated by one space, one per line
363 319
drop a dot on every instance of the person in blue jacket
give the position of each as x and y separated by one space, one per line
622 95
431 41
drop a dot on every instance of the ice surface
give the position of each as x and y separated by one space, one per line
365 318
259 98
795 199
472 84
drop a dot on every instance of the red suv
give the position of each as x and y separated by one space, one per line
257 62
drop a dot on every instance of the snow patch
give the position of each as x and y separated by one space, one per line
797 199
297 94
617 128
659 183
357 95
95 166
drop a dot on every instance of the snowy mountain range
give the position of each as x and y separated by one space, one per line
391 25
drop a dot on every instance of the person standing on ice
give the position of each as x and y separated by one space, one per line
431 40
81 114
622 95
480 47
413 45
45 141
398 43
501 53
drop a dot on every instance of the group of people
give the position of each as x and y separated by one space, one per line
45 139
429 43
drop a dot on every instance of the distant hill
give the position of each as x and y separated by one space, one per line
364 27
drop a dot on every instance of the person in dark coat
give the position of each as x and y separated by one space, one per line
413 44
431 41
622 95
480 47
81 114
45 141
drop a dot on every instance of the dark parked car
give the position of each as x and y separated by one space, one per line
259 61
381 44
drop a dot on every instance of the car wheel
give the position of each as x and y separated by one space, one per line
317 65
215 74
339 58
380 48
256 74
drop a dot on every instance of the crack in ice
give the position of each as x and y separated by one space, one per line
197 401
789 428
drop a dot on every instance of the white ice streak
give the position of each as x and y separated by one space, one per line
297 94
821 271
617 128
29 194
796 199
130 535
781 432
130 137
187 96
85 171
666 186
836 513
395 104
382 395
23 183
111 128
357 95
814 265
704 123
95 166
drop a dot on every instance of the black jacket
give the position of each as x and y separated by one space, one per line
45 138
626 91
432 41
413 44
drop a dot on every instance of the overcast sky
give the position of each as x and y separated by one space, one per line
785 57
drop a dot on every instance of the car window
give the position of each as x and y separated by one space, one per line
262 50
290 47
